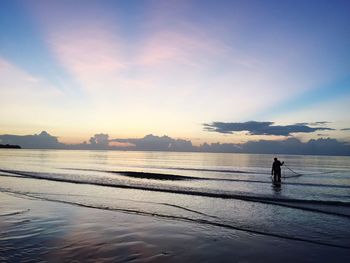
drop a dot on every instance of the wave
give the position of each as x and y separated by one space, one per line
202 169
295 174
185 219
121 199
173 177
15 212
283 202
211 170
181 169
157 176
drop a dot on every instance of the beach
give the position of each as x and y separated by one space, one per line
51 214
42 231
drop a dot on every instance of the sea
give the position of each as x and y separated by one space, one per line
227 191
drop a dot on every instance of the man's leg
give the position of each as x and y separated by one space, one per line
279 177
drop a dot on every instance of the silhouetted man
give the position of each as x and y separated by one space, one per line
276 170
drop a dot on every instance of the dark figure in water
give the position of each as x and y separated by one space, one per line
276 170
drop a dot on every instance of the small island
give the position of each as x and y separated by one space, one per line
9 146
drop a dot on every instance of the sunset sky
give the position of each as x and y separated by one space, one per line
176 68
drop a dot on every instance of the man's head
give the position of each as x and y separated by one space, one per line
275 158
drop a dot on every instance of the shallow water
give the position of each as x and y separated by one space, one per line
227 191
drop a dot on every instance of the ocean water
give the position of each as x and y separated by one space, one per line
229 191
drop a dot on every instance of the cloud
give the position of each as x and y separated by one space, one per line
322 146
156 143
37 141
182 48
90 56
18 87
28 100
317 123
84 42
261 128
99 139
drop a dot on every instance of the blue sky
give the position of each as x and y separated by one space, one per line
130 68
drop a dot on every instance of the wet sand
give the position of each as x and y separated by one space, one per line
36 230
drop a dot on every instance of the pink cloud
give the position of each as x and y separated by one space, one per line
89 55
178 48
83 40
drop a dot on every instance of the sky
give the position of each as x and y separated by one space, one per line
203 71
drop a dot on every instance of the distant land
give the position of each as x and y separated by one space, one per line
9 146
